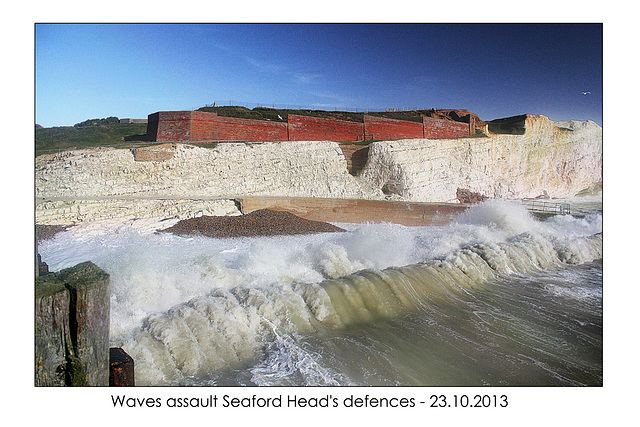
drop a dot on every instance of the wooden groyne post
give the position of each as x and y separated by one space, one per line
72 309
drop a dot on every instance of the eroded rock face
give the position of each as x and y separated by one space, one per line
294 168
559 161
75 211
178 180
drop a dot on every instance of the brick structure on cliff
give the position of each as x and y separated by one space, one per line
200 126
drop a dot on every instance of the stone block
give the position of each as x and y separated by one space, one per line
155 153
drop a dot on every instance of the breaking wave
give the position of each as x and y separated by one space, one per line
189 309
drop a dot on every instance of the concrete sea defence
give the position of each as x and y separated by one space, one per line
357 211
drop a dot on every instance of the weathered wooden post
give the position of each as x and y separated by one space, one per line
41 267
72 327
52 333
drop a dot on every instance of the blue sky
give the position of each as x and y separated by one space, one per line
87 71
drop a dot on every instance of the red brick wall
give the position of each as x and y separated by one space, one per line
303 128
231 128
383 128
437 128
172 126
211 127
202 124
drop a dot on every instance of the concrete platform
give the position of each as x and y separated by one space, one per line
357 211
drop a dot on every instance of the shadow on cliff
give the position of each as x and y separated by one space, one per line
514 125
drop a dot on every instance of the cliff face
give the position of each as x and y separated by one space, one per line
182 181
309 169
554 159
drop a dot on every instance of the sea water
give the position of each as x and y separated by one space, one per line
494 298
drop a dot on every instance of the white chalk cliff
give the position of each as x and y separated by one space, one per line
91 184
555 159
292 168
558 159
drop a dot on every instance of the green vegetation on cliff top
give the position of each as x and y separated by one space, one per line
113 134
279 114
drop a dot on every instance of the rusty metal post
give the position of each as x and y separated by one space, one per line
121 369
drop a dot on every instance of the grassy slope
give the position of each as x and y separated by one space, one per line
62 138
264 113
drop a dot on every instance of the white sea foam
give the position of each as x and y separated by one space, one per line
574 292
288 363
